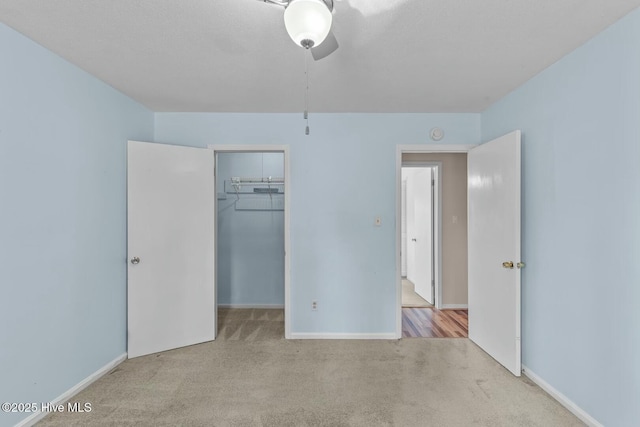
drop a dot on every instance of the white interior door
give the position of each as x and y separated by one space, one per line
411 230
170 220
403 229
494 238
422 239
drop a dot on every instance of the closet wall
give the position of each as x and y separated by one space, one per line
250 251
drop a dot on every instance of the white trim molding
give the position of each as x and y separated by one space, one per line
341 336
564 400
454 307
274 306
248 148
435 148
38 416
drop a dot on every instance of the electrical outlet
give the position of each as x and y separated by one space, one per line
314 305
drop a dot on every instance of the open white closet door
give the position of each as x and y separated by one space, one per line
494 249
170 222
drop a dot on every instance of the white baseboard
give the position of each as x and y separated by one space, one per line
37 416
278 306
564 400
454 307
341 336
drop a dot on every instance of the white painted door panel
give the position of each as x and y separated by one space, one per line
422 228
411 232
494 237
403 229
170 219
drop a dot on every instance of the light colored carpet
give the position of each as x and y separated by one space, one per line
409 296
250 324
276 382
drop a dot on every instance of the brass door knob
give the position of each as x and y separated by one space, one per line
507 264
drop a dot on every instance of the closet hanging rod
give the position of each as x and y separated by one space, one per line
257 180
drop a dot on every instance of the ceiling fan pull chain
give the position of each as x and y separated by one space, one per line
306 94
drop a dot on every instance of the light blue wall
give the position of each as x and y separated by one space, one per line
63 216
63 136
250 251
342 177
580 120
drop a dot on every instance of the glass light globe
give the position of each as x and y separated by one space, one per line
307 20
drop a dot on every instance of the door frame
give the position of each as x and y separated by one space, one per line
410 149
234 148
436 227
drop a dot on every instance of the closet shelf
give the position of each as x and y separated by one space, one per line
269 185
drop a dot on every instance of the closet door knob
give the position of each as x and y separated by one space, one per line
135 260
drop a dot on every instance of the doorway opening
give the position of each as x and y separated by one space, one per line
251 239
432 242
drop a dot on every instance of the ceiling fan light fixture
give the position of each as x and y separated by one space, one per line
308 22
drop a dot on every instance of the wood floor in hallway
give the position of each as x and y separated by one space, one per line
433 323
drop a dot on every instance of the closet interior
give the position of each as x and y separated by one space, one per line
250 230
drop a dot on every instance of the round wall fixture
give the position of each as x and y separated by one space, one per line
436 134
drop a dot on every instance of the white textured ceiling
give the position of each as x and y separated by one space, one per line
235 55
